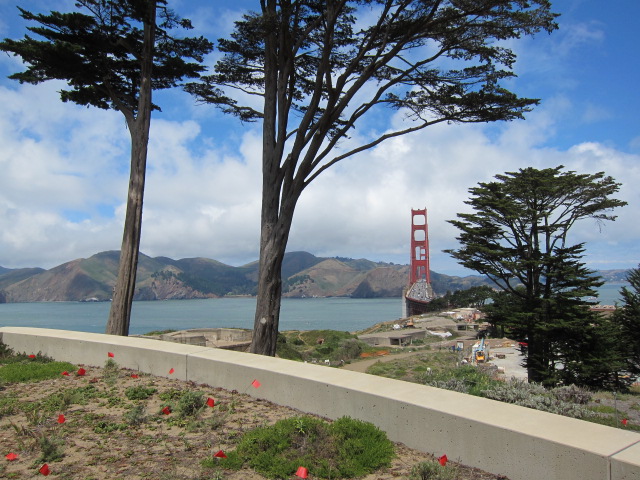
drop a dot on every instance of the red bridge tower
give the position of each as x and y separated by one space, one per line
419 247
419 293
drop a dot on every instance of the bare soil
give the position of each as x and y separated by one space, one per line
97 443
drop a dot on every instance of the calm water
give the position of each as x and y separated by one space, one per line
346 314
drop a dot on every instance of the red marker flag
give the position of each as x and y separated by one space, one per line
81 372
256 383
110 355
625 421
44 470
134 375
211 402
220 454
166 410
61 418
32 356
443 460
65 373
171 371
302 472
11 457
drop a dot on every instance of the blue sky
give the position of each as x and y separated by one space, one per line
64 168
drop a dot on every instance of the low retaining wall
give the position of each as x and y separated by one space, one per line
521 443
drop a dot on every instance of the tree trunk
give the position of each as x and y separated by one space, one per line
120 312
139 126
277 217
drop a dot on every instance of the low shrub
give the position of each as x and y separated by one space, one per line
346 448
432 471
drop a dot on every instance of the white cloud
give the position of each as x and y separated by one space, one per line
65 172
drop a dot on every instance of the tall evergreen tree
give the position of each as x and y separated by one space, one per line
626 322
311 71
518 236
113 54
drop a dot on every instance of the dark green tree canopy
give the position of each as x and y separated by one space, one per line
518 235
523 219
626 321
99 53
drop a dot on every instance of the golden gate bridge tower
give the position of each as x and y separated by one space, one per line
419 292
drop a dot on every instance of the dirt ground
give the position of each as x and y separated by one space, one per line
96 443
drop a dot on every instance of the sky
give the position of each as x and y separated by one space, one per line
64 168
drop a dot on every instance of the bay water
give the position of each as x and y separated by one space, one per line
333 313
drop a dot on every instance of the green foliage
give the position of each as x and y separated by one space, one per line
464 379
475 297
535 396
135 416
51 449
109 427
28 371
159 332
110 372
432 471
347 448
624 344
139 392
86 49
288 351
517 237
190 404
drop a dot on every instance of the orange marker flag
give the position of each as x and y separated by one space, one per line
81 372
625 421
134 375
256 383
443 460
61 418
171 371
302 472
110 355
65 373
44 470
220 454
211 402
166 410
11 457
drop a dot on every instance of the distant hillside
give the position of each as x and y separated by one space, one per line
162 278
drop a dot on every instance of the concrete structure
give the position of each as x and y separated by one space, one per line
227 338
521 443
397 338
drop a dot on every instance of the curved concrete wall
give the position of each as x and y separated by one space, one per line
521 443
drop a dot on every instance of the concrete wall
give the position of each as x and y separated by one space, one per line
521 443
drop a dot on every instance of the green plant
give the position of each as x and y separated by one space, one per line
190 404
346 448
108 427
110 372
28 371
432 471
135 416
8 404
139 392
51 449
